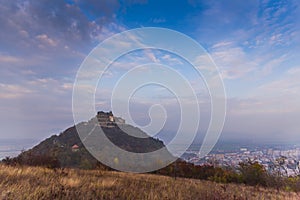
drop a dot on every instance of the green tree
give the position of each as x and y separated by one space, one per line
253 173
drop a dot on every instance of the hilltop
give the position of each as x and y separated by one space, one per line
67 149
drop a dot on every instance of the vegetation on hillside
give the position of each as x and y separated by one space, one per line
249 173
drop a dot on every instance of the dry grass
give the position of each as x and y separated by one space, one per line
43 183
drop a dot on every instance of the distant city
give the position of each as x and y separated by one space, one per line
287 157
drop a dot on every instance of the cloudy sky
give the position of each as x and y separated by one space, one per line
255 44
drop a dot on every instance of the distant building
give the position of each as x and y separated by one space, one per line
243 149
111 118
75 148
108 120
219 156
103 118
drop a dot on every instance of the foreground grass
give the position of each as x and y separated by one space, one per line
43 183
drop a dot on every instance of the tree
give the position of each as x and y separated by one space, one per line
253 173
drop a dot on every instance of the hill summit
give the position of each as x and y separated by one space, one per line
68 150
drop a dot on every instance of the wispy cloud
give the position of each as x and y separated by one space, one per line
233 61
10 91
45 40
258 45
255 44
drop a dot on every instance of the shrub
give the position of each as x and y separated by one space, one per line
253 173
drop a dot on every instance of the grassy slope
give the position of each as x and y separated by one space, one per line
43 183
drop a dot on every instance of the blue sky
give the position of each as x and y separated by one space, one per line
254 43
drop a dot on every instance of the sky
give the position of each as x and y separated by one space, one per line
255 45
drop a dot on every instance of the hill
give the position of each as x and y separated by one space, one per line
43 183
67 149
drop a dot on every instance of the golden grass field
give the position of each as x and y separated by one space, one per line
42 183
